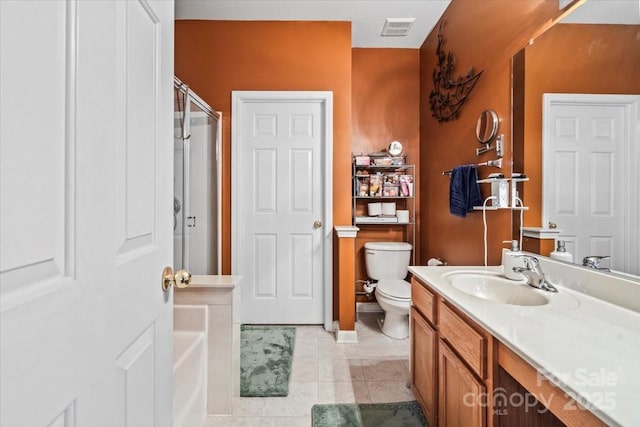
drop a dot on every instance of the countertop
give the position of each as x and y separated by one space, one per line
214 281
587 346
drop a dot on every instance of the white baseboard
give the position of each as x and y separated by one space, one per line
344 337
368 307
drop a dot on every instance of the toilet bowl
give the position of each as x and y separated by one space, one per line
387 263
394 297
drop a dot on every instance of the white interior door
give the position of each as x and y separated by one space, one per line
86 170
590 183
280 218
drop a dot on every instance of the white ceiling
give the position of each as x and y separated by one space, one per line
366 16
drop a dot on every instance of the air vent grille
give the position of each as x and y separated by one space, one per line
394 27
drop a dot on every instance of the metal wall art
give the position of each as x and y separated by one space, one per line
449 94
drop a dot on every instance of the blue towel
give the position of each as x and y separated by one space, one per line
464 191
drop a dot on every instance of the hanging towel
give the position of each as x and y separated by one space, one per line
464 191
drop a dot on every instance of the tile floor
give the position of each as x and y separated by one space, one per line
375 370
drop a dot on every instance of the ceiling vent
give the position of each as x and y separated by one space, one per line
397 26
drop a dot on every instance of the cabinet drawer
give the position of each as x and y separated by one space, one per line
470 344
423 300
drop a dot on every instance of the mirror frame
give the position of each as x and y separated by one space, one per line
487 119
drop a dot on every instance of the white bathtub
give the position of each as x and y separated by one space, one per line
206 325
189 365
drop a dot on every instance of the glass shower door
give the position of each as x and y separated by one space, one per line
195 188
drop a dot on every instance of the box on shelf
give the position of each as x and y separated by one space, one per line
390 190
375 185
389 161
376 219
406 185
362 160
362 185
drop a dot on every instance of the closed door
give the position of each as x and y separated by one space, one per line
86 171
280 221
589 189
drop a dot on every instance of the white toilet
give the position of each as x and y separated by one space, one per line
387 263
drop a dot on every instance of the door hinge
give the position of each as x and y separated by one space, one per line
191 221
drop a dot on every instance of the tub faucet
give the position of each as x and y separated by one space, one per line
593 261
533 272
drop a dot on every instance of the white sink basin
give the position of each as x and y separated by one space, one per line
494 287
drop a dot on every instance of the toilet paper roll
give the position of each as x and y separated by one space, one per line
389 208
375 209
403 216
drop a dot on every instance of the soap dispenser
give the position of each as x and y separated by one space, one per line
561 253
512 258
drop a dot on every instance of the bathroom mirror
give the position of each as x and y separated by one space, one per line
487 126
594 50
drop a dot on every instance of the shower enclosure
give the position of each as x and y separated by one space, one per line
197 183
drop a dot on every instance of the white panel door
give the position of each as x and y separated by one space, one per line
86 191
589 183
279 251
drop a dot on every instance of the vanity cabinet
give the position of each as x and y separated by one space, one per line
456 365
448 361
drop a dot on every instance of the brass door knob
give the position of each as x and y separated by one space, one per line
179 279
317 223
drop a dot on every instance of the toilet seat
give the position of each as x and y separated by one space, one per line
394 289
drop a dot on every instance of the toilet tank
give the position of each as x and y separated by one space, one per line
387 260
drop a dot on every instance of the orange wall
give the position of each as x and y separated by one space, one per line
216 57
572 58
483 35
386 107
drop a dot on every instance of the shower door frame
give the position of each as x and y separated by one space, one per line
189 96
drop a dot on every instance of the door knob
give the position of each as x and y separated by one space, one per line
179 279
317 223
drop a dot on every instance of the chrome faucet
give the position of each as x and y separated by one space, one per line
593 261
533 272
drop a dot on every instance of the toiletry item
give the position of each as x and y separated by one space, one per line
511 258
500 190
561 253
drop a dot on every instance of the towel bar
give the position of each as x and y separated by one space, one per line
495 163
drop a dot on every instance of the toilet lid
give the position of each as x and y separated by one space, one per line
395 288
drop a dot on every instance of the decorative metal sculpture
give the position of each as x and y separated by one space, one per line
448 94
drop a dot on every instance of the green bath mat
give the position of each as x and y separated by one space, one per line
266 353
400 414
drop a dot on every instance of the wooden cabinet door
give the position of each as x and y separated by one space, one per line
462 397
424 357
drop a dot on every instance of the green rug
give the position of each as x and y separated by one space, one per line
266 353
400 414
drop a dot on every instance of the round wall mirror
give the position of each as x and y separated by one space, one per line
487 126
